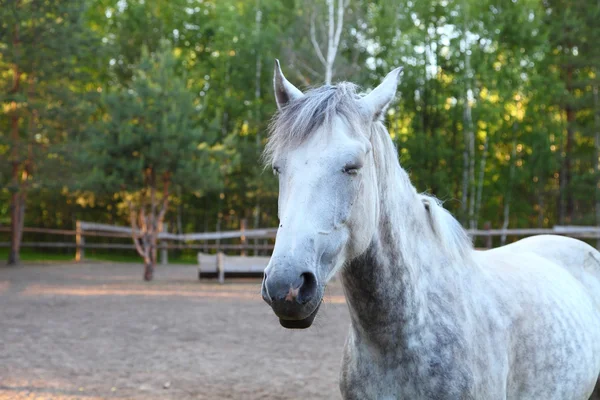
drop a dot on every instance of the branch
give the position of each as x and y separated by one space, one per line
143 221
308 68
334 41
134 229
340 23
300 75
143 195
313 40
293 59
331 26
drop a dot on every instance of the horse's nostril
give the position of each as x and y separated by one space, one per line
308 287
298 282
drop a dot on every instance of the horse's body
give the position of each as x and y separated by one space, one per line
519 324
431 317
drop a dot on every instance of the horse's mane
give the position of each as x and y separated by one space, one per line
295 122
454 239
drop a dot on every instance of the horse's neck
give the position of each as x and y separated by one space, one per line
389 287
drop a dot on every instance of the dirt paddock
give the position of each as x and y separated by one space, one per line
97 331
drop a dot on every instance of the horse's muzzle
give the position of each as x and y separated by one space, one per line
294 299
300 323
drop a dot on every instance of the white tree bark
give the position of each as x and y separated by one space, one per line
468 185
257 94
471 138
508 195
469 152
465 182
334 32
257 21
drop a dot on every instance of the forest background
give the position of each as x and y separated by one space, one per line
135 112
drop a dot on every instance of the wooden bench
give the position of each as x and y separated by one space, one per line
222 264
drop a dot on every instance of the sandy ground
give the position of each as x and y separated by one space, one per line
97 331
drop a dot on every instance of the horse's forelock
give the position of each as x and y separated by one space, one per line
298 120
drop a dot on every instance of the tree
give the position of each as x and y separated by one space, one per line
335 23
45 55
573 37
148 142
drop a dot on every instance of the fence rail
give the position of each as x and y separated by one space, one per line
171 241
250 233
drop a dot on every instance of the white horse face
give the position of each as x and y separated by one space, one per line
328 212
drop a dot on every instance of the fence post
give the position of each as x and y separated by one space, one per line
79 242
256 245
488 239
243 240
220 267
218 241
164 253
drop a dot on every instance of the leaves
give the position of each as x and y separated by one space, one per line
184 87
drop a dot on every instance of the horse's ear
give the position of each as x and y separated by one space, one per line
375 103
284 90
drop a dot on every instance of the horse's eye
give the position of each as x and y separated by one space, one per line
275 171
351 169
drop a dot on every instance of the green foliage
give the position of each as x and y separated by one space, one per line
184 89
151 125
47 64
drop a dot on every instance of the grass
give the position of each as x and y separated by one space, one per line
32 255
38 255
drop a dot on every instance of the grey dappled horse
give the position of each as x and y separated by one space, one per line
431 317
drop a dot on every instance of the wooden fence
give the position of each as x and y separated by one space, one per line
167 241
202 241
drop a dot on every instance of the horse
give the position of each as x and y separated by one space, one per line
431 317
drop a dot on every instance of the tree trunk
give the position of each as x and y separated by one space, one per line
597 160
17 224
257 113
334 33
149 264
145 228
465 179
258 72
469 136
20 169
16 199
480 180
468 184
17 214
566 204
508 195
542 205
148 271
570 205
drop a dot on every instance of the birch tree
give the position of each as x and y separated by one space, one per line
335 24
468 195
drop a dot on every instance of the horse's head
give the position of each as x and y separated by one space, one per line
320 149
